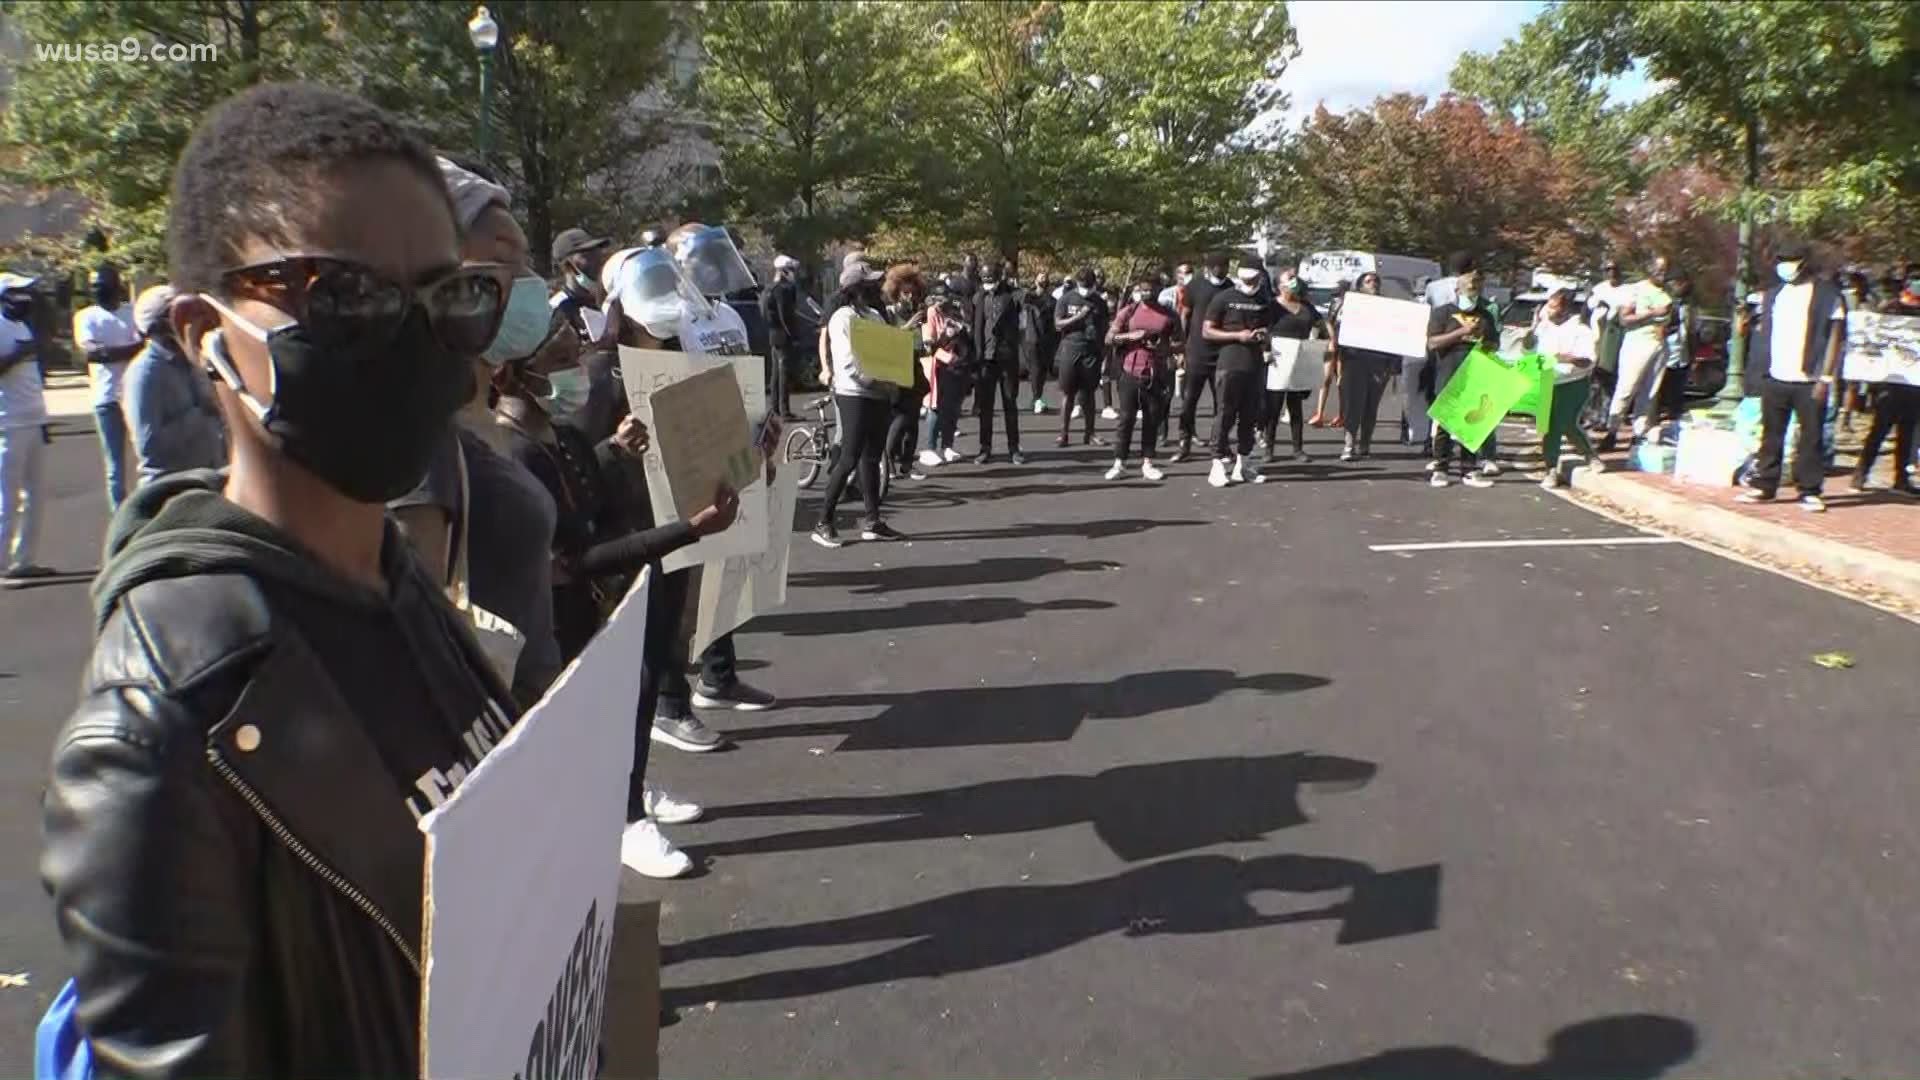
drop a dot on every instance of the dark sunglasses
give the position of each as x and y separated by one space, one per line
342 302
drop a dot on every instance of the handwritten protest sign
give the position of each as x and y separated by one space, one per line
1478 395
882 352
1883 348
1383 324
646 372
737 589
523 874
700 431
1296 365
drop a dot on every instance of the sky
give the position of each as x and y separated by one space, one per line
1352 51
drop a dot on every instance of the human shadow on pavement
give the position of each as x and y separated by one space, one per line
999 715
1638 1046
1138 811
1005 924
892 579
955 612
1101 529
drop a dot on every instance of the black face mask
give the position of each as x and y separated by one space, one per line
17 309
367 421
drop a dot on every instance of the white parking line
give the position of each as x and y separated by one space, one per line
1564 541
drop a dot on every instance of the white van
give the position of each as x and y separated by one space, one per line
1402 277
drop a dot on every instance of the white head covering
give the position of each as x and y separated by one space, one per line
785 262
151 307
471 193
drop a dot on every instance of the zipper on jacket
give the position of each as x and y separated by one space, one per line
313 862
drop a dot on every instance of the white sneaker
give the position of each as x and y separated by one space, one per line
931 459
667 810
1239 470
1254 475
1489 467
1477 480
1218 477
1434 466
1438 479
645 851
1076 412
1119 470
950 455
1108 413
1151 471
1039 407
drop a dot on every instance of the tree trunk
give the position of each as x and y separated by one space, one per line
1736 387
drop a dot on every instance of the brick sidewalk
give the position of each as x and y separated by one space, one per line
1878 521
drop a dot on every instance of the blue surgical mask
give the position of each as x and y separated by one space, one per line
1788 271
569 392
525 323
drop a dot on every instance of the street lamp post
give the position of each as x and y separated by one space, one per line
486 36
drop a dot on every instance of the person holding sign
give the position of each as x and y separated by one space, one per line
864 407
1896 409
1452 332
1294 318
602 538
1237 320
1560 332
1363 382
277 693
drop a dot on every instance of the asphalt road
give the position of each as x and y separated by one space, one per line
1108 779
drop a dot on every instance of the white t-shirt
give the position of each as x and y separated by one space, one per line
1791 311
1644 296
1570 338
1608 297
719 332
95 328
23 402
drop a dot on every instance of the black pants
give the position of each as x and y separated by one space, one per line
1896 409
903 429
1443 440
1295 404
1198 376
1037 366
951 400
1239 408
1363 382
1003 376
1151 402
1778 401
1079 376
779 373
863 434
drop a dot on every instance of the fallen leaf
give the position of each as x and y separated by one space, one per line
1835 661
13 982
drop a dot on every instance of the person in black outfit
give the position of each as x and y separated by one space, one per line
996 330
1077 318
1293 317
1238 319
1453 330
1896 409
780 307
1038 338
1202 354
1363 382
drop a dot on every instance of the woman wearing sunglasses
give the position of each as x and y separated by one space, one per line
277 692
602 539
479 522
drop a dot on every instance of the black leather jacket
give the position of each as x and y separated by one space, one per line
236 880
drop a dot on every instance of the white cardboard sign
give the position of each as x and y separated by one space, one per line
523 872
1295 364
1383 324
1883 348
743 586
645 371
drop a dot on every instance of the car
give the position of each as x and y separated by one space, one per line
1712 334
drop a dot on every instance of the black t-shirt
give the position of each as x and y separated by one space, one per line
395 660
589 510
1082 339
1200 294
1448 317
1294 324
1232 309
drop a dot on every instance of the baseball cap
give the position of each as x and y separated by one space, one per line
572 242
785 262
856 273
151 308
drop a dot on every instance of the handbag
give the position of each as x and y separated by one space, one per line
499 640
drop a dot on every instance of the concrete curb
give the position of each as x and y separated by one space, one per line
1858 567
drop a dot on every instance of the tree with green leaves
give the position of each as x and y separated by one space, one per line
799 96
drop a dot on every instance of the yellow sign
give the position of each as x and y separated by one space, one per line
882 352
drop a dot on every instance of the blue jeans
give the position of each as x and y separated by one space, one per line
112 425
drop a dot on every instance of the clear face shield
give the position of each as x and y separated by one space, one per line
654 293
712 263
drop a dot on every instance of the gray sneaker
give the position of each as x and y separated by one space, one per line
687 733
738 696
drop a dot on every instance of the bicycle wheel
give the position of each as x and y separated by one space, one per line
803 451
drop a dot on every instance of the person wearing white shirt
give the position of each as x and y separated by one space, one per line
23 432
1796 342
1561 333
1644 310
864 408
104 332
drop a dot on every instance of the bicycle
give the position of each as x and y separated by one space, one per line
813 448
